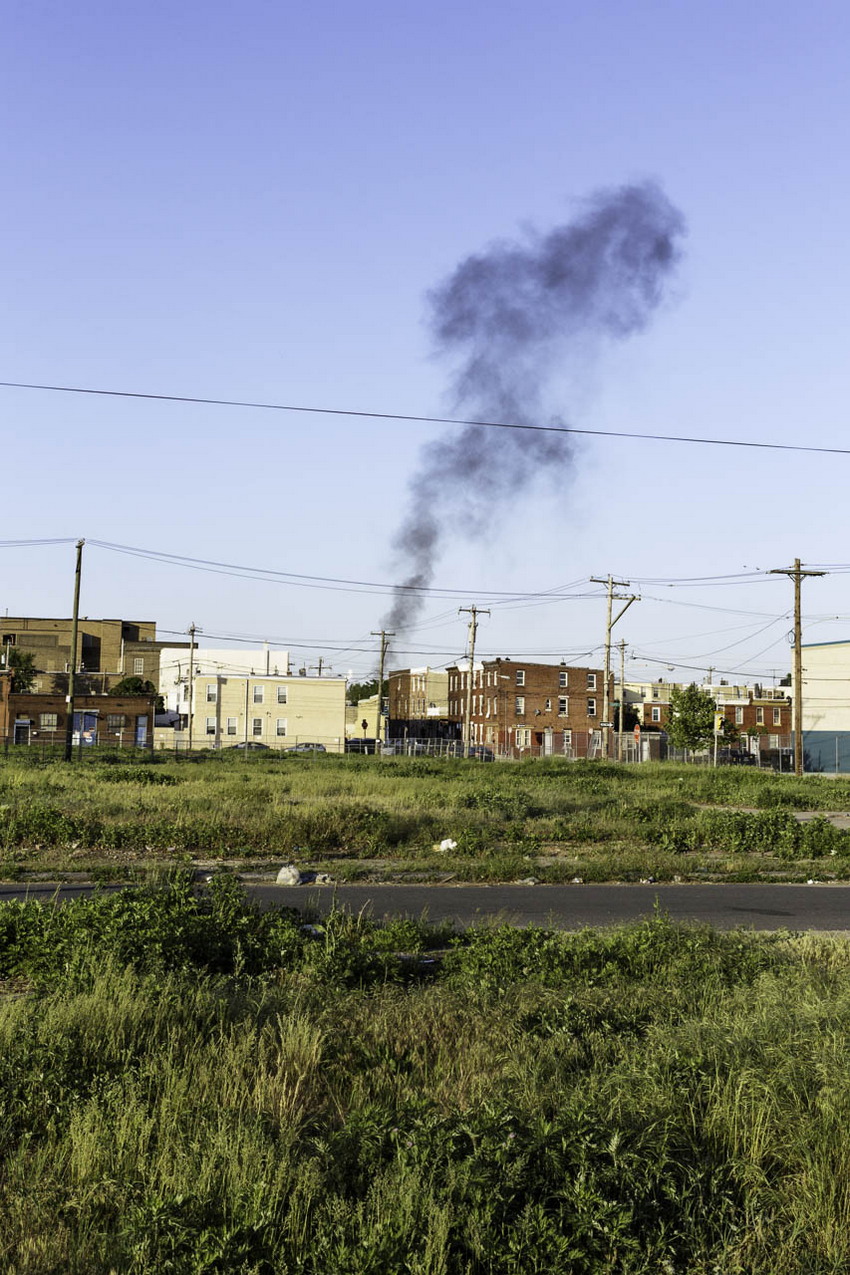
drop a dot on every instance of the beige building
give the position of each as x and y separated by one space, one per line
274 711
356 714
107 650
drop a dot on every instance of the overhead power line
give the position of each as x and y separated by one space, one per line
422 420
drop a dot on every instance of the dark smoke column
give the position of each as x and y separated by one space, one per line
510 314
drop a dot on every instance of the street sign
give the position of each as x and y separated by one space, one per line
606 725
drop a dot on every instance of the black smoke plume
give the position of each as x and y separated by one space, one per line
512 313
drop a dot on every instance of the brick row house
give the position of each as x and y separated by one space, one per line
525 709
123 721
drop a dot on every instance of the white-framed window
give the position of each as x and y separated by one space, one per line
567 740
547 706
210 725
280 727
656 714
759 716
563 706
777 719
519 706
773 741
739 716
562 678
591 708
231 725
138 666
258 694
212 693
591 681
256 726
281 695
48 721
520 677
523 737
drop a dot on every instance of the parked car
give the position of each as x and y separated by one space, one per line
359 745
252 745
306 748
480 752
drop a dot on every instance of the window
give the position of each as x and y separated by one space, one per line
563 706
523 737
562 678
548 706
257 726
656 714
739 716
210 725
591 681
138 666
520 677
281 695
280 728
656 694
231 725
258 694
49 721
519 706
777 717
591 708
212 693
759 717
773 741
116 721
568 740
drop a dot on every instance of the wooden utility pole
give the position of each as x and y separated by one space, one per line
622 646
473 613
611 584
385 641
796 573
72 665
191 680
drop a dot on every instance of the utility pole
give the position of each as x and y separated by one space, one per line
473 613
191 680
622 646
72 666
385 641
796 573
611 584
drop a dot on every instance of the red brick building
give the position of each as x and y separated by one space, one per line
122 721
524 709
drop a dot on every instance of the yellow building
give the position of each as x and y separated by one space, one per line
275 711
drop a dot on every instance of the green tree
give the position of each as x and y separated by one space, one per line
133 686
22 667
691 722
356 691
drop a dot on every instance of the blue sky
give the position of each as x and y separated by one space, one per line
252 201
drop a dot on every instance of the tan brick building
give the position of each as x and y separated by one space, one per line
107 650
521 708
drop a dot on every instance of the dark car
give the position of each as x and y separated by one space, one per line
252 745
479 752
356 745
306 748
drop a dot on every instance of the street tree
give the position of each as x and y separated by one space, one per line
21 664
691 722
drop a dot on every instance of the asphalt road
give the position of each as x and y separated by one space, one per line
565 907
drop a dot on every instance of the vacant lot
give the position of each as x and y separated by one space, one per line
189 1086
386 817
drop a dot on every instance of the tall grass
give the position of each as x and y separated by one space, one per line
649 1099
340 813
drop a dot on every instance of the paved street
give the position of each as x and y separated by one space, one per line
567 907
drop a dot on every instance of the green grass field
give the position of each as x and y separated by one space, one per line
381 817
189 1086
